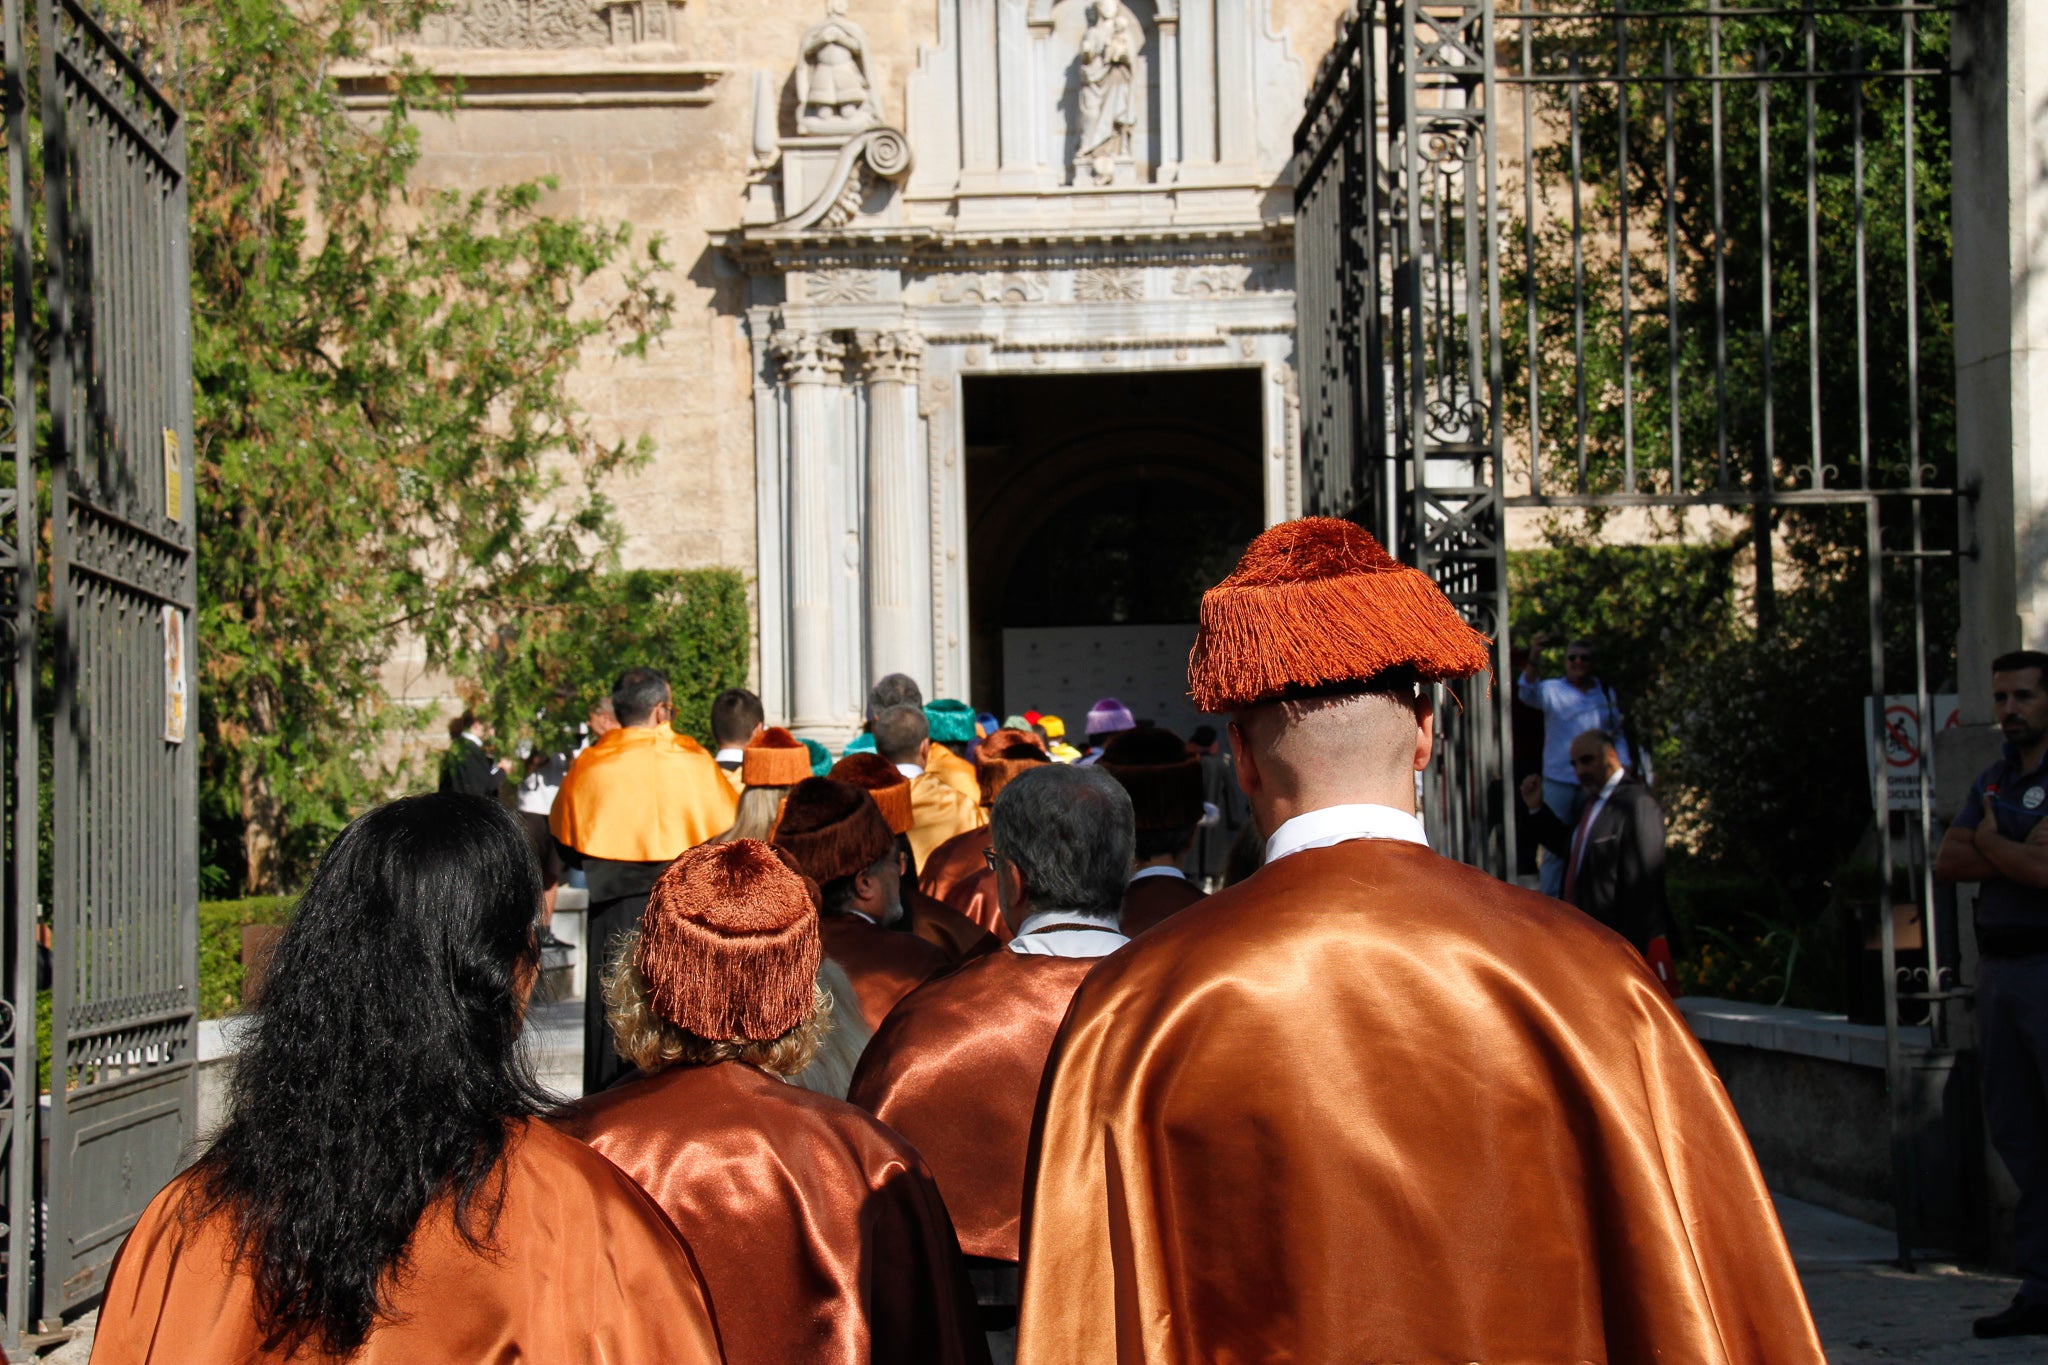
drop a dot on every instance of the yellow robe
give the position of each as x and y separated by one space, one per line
938 812
642 794
955 771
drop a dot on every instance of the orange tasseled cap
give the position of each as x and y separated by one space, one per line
880 779
1316 603
729 945
776 759
831 829
1004 755
1163 780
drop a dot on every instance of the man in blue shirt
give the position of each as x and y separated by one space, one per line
2000 841
1571 705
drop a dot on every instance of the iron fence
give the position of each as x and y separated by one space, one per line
1707 219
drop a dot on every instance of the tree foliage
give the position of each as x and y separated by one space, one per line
385 445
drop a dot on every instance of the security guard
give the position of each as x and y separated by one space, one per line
2000 841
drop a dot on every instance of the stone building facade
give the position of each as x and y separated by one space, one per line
947 271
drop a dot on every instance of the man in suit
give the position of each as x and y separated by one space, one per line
1614 856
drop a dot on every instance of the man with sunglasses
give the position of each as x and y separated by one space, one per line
1571 705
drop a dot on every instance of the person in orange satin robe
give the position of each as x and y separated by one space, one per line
956 1067
628 805
1370 1104
938 810
380 1191
836 836
957 873
952 933
819 1232
1165 784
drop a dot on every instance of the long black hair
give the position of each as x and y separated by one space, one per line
383 1067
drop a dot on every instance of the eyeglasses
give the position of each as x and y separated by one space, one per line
1579 658
992 858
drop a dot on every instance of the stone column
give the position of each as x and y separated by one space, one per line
899 635
811 368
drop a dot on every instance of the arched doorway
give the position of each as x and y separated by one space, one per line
1099 509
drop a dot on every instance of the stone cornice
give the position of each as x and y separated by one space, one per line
937 250
537 79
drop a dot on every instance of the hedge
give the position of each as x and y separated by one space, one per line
220 947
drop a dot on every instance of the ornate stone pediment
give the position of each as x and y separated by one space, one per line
547 25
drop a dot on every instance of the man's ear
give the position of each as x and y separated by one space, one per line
1425 729
1248 777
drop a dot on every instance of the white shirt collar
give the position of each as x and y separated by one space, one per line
1165 870
730 756
1100 938
910 770
1612 782
1341 824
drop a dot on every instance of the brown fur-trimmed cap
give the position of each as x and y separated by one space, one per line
729 945
776 759
832 829
1163 779
1315 604
880 779
1002 757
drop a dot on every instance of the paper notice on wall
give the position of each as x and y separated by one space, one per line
177 692
174 478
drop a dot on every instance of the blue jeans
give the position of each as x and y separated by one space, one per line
2012 1027
1566 800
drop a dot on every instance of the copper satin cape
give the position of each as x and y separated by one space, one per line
938 812
641 795
589 1271
819 1232
1373 1105
946 929
957 874
956 1069
1150 901
884 965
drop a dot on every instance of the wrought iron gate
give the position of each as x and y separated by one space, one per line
1643 381
123 786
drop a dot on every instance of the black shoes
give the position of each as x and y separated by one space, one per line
2022 1319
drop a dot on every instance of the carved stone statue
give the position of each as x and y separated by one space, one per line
833 92
1109 109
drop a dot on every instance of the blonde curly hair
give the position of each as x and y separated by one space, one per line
652 1043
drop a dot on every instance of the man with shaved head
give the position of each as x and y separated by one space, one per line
1272 1122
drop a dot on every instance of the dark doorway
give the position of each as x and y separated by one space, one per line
1103 501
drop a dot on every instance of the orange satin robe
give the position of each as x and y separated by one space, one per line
1374 1105
643 794
1150 900
937 813
956 1070
955 771
884 965
819 1232
946 929
588 1272
957 874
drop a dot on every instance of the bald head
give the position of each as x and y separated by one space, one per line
1364 748
1594 759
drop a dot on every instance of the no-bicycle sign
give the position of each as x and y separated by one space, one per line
1907 737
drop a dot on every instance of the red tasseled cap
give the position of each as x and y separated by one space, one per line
879 777
776 759
1003 756
832 829
729 945
1163 779
1317 603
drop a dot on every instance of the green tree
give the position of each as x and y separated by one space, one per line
386 449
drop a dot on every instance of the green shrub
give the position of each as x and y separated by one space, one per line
220 947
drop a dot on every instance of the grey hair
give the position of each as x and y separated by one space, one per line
897 689
899 730
1071 833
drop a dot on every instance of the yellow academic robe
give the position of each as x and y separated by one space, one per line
955 771
938 812
642 794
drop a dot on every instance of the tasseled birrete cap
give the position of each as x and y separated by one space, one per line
775 759
952 722
1163 779
1315 605
883 782
832 829
729 945
1004 755
1109 717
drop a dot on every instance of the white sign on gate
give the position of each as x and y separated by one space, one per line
1906 738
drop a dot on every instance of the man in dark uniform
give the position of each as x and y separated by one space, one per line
2000 841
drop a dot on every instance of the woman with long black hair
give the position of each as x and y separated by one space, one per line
381 1190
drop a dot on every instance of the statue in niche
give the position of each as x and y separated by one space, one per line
833 92
1109 109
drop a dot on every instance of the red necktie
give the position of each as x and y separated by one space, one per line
1571 869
